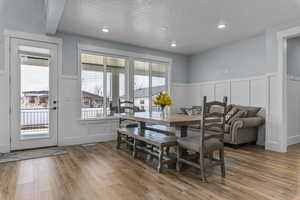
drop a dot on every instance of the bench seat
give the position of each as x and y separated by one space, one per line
150 137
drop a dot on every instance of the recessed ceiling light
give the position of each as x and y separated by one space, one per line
105 29
221 25
173 43
164 28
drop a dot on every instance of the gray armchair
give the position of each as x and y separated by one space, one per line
239 129
243 130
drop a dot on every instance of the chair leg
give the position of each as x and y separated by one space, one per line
127 145
221 152
160 159
168 150
134 148
118 140
201 160
179 154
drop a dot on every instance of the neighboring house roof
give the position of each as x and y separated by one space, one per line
142 92
44 93
89 94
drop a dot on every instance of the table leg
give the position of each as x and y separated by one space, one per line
142 125
181 131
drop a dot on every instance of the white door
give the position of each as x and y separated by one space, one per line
33 86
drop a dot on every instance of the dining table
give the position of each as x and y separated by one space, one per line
180 122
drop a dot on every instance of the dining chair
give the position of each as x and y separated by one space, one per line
210 140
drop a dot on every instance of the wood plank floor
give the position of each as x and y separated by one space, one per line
102 172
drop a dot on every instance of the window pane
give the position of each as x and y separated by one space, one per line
141 85
92 93
159 74
115 83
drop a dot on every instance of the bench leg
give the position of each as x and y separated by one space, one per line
118 140
160 159
134 148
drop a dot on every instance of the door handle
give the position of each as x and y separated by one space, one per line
54 108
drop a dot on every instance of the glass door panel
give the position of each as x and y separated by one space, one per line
34 96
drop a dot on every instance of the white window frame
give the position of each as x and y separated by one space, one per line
129 80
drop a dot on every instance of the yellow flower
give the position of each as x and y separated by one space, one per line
163 99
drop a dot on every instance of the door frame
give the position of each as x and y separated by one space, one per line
8 35
282 37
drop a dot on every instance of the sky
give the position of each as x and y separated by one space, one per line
35 78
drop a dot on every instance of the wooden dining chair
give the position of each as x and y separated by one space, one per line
210 140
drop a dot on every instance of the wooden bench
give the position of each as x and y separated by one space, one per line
159 140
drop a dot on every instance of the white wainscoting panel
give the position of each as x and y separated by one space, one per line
258 92
273 112
222 89
179 92
253 91
4 113
240 92
194 94
207 89
293 110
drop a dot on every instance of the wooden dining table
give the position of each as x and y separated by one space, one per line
178 121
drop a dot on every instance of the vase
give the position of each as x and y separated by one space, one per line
163 112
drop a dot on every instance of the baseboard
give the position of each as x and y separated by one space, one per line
89 139
273 146
4 148
294 140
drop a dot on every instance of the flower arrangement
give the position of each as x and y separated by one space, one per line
163 100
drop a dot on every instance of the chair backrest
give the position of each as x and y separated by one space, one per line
125 105
213 118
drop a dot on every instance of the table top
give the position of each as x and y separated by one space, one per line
169 119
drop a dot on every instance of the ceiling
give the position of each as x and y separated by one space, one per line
192 23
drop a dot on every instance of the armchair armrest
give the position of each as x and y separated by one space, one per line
248 122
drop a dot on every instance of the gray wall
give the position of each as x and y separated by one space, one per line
293 57
235 60
179 65
21 15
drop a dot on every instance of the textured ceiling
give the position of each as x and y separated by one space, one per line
192 23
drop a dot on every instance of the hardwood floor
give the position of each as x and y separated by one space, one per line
102 172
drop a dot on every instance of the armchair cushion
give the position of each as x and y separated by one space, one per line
250 122
239 114
231 113
251 111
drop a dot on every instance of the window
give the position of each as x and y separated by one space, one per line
106 78
92 89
